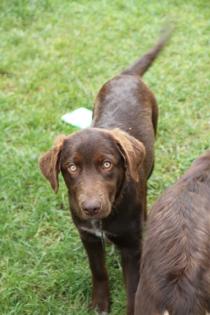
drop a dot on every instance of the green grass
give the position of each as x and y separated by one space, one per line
54 56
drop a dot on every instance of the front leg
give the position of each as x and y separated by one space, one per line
96 255
130 258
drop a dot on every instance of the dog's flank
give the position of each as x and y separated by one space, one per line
175 269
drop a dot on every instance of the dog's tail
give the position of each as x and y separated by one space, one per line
143 64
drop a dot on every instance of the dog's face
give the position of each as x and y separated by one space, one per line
93 170
94 163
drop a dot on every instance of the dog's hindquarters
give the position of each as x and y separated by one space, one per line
182 298
175 269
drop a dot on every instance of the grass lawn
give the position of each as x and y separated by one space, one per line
54 56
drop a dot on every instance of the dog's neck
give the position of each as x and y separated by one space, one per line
126 187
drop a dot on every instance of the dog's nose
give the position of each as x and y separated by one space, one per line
91 207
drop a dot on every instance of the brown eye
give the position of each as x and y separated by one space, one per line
72 168
107 165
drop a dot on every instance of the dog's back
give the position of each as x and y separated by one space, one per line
127 103
175 271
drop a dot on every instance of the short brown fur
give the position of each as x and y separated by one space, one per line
175 269
105 169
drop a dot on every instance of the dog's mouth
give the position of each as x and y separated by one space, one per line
94 210
98 216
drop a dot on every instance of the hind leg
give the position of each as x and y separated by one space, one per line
149 310
208 307
145 304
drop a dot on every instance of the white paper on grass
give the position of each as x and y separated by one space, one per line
80 117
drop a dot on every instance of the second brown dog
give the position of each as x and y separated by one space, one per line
175 271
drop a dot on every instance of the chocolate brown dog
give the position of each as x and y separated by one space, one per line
105 169
175 270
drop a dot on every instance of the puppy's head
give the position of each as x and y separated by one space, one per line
94 163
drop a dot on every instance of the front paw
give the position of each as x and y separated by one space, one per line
101 305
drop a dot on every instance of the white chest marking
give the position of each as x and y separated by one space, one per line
94 228
93 231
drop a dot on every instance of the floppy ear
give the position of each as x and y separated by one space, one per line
49 163
132 150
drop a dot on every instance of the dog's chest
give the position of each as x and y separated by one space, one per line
94 227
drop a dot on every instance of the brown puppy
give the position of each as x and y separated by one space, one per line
175 270
105 169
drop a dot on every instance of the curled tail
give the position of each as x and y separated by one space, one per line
142 65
